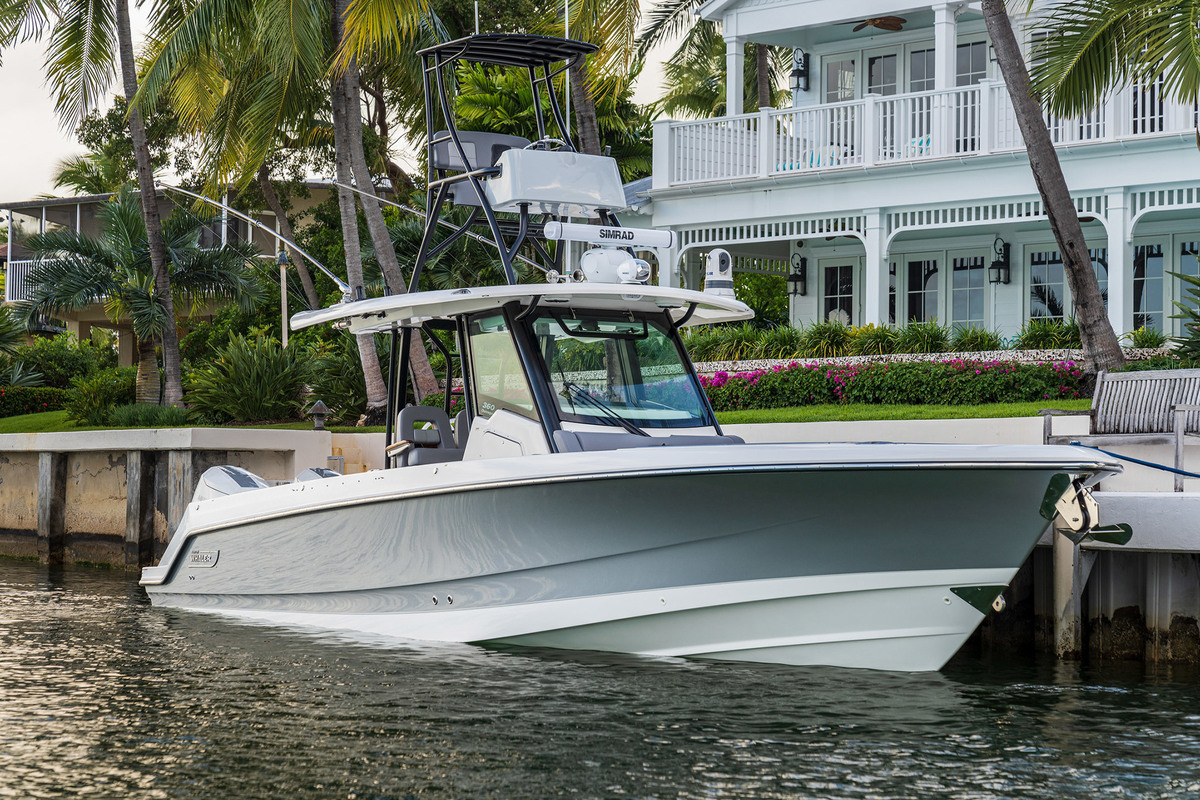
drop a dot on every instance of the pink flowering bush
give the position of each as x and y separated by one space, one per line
952 382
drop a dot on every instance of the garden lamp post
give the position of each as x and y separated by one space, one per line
282 260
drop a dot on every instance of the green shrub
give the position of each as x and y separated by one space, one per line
956 382
922 337
337 378
872 340
701 342
737 342
1143 337
17 400
1071 336
249 381
1188 345
825 339
92 398
1041 333
975 340
145 415
63 358
783 341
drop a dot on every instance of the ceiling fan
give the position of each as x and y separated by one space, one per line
883 23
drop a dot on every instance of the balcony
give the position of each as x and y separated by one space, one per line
899 129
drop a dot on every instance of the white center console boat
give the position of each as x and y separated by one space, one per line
587 497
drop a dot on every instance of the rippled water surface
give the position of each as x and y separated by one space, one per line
103 696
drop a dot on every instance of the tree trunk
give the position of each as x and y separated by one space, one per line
1101 349
372 375
424 380
586 126
285 230
147 388
762 66
173 394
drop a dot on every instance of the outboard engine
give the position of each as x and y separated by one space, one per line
718 273
224 481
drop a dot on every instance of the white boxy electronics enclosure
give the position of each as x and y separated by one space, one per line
555 182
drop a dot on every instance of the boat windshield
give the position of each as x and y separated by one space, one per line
603 366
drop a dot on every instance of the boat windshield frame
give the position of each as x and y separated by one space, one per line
539 368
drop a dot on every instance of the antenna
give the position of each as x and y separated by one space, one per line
476 17
341 284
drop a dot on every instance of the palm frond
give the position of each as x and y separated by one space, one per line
81 57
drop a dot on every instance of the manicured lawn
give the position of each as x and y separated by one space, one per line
57 420
851 413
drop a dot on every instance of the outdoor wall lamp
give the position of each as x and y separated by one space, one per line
998 272
798 279
798 79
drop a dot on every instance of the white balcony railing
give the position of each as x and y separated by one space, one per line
15 287
969 120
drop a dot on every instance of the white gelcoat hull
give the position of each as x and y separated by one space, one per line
902 621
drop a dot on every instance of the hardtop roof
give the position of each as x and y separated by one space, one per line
379 314
511 49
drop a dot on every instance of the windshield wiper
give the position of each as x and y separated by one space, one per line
574 390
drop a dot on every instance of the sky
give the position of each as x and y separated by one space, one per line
32 142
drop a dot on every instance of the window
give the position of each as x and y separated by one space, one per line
881 75
602 366
972 63
839 80
1046 288
966 291
1047 285
921 70
496 369
839 293
922 291
1148 286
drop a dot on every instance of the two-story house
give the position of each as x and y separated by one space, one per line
898 179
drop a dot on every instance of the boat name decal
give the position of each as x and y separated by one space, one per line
203 559
616 233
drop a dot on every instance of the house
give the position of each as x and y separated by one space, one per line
898 179
25 218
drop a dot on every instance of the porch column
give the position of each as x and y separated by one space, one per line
81 330
945 45
735 78
1120 261
875 270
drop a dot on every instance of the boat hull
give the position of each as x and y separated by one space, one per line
777 563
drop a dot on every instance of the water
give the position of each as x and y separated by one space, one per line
103 696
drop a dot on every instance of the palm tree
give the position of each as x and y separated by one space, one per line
293 51
91 173
73 270
85 38
1101 349
1092 48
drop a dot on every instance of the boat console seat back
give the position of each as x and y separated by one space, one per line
430 445
588 441
482 150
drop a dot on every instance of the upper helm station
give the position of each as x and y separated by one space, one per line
590 359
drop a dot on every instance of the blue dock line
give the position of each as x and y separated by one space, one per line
1163 467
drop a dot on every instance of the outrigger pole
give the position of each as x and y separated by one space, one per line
341 284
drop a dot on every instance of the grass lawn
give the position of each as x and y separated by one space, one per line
851 413
57 420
